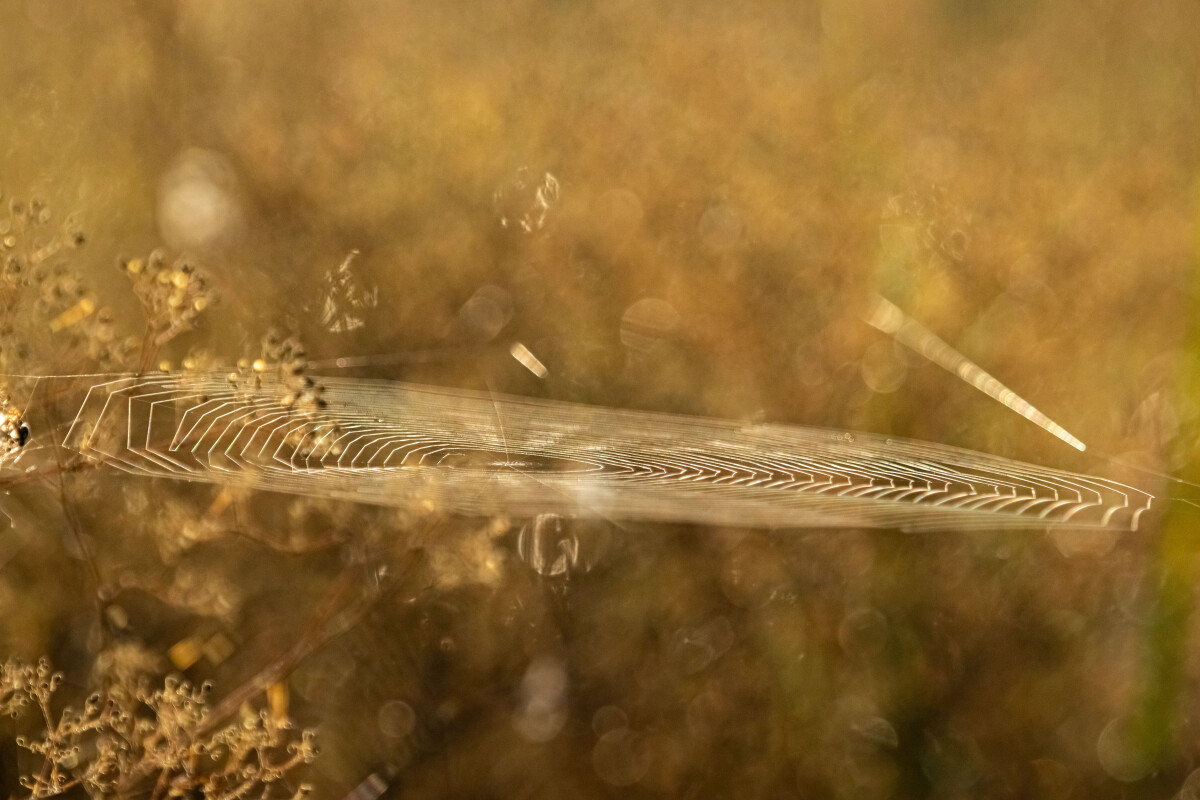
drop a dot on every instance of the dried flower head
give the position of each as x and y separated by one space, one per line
173 296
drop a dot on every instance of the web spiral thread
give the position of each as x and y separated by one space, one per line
476 454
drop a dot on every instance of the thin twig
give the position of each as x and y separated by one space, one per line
325 624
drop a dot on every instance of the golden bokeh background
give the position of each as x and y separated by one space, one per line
681 207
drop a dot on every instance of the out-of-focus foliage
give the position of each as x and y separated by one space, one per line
657 205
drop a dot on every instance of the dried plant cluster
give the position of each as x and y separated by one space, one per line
172 295
298 394
43 295
286 357
133 737
47 308
129 739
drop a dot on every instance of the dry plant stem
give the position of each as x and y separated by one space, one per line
277 543
76 465
149 350
74 525
281 547
81 543
326 624
49 766
160 785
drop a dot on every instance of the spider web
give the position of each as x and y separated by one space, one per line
476 454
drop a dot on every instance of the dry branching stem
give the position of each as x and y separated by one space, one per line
127 735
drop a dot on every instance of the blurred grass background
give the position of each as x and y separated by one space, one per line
1020 176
